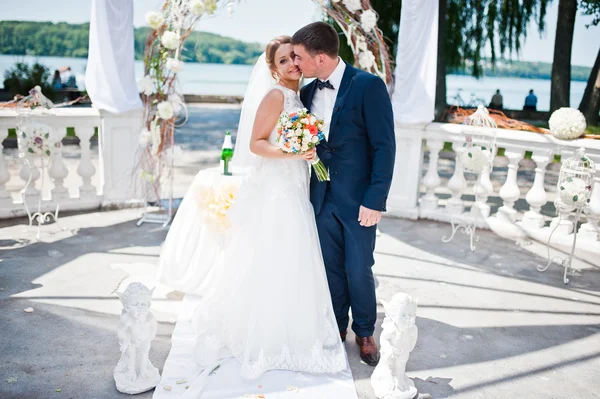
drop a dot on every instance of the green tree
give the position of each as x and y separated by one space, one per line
563 44
590 103
21 78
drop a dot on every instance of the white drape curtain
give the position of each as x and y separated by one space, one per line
416 62
110 75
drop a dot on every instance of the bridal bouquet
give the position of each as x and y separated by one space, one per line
300 131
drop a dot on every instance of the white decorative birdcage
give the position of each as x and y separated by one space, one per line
476 156
39 147
574 190
575 182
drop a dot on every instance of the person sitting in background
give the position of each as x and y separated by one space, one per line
530 102
496 102
69 79
57 81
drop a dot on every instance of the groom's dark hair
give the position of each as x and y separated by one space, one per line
318 38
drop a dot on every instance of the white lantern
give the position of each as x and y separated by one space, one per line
479 149
575 182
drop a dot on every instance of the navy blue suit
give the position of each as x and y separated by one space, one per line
359 154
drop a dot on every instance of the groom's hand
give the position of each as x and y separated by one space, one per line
368 217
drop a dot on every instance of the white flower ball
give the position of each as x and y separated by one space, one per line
170 40
165 110
197 7
368 20
175 65
475 159
147 85
366 59
154 19
352 5
573 192
567 123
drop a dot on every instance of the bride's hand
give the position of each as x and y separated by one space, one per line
308 155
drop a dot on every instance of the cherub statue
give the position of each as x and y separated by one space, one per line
137 328
398 339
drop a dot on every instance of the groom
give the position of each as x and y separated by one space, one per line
359 152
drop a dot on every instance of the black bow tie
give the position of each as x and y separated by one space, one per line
324 85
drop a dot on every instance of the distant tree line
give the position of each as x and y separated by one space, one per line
71 40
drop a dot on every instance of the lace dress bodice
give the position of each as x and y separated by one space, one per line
291 103
286 176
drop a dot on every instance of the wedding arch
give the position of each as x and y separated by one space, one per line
174 22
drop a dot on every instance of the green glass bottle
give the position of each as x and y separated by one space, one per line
226 154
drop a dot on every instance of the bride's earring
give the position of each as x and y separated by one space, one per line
277 78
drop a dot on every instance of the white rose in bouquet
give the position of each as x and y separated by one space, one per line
366 59
567 123
147 85
154 19
368 20
170 40
165 110
175 65
197 7
352 5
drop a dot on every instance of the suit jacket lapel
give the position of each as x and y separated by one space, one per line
311 93
342 95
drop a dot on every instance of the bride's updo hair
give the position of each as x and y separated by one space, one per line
272 49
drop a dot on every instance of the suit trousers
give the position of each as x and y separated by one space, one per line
347 249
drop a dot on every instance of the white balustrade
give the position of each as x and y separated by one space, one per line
432 179
510 192
120 152
534 221
483 188
537 197
86 169
590 231
57 170
457 183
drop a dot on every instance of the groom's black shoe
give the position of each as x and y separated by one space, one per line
343 335
369 352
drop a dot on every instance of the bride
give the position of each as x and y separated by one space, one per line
267 303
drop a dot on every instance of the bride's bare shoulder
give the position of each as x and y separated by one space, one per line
274 99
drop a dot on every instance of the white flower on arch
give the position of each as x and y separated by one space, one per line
170 40
368 20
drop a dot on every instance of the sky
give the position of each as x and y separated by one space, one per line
261 20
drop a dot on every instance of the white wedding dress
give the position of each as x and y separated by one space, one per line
267 302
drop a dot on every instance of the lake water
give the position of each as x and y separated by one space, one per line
219 79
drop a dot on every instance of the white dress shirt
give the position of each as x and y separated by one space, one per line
324 99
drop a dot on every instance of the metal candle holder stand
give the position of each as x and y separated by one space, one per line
564 262
479 119
578 170
164 218
40 217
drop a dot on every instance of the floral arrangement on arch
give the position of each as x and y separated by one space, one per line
170 25
358 20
